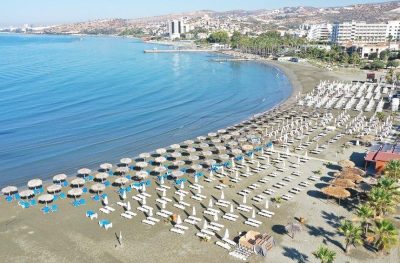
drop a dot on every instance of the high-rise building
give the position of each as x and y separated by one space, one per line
176 28
359 32
393 30
320 32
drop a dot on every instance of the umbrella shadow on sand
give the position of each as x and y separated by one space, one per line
332 219
294 255
279 229
321 232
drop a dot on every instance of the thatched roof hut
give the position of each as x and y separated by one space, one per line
346 163
345 183
335 191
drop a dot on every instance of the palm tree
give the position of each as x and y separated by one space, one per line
352 234
381 201
380 116
386 235
325 254
392 169
365 213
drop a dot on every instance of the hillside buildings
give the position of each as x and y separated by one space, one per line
176 28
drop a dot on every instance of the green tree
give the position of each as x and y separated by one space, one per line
325 255
219 37
355 58
384 55
377 64
392 169
392 64
381 201
386 235
380 116
352 234
365 213
235 39
344 58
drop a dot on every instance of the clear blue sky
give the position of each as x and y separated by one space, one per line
16 12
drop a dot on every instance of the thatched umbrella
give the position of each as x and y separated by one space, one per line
345 183
351 176
354 170
346 163
293 228
367 138
335 191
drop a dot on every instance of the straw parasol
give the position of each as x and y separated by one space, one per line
346 163
78 182
177 174
75 192
46 198
353 170
121 181
35 183
368 138
101 176
97 188
27 194
126 161
9 190
59 178
351 176
345 183
84 171
106 166
335 191
142 174
54 188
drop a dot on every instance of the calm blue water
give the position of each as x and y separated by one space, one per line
68 102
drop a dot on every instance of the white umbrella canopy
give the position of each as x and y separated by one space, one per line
9 190
142 164
126 161
106 166
242 139
75 192
101 176
236 151
221 131
196 167
204 145
160 169
233 143
179 163
144 155
98 187
59 177
26 194
161 151
84 171
220 147
226 137
247 147
207 153
34 183
201 138
160 159
216 140
235 133
175 146
142 174
78 182
188 142
54 188
193 158
121 181
122 170
191 150
46 198
176 154
177 174
210 161
212 134
224 156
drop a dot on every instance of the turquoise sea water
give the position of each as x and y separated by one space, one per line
68 102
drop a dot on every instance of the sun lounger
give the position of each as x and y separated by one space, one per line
166 199
130 213
181 227
103 210
148 222
126 216
217 225
202 235
121 204
214 228
195 197
155 220
207 232
109 208
221 204
227 217
162 214
161 201
230 242
251 223
166 212
232 215
179 206
165 186
223 245
190 221
254 221
142 209
261 213
177 230
207 212
184 203
194 218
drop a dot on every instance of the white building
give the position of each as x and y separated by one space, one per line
361 32
393 30
320 32
176 28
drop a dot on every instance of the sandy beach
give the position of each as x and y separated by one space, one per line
69 236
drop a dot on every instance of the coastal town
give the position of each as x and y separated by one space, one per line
315 178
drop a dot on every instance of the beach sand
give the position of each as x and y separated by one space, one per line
68 236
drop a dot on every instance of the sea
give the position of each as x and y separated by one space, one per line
68 102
